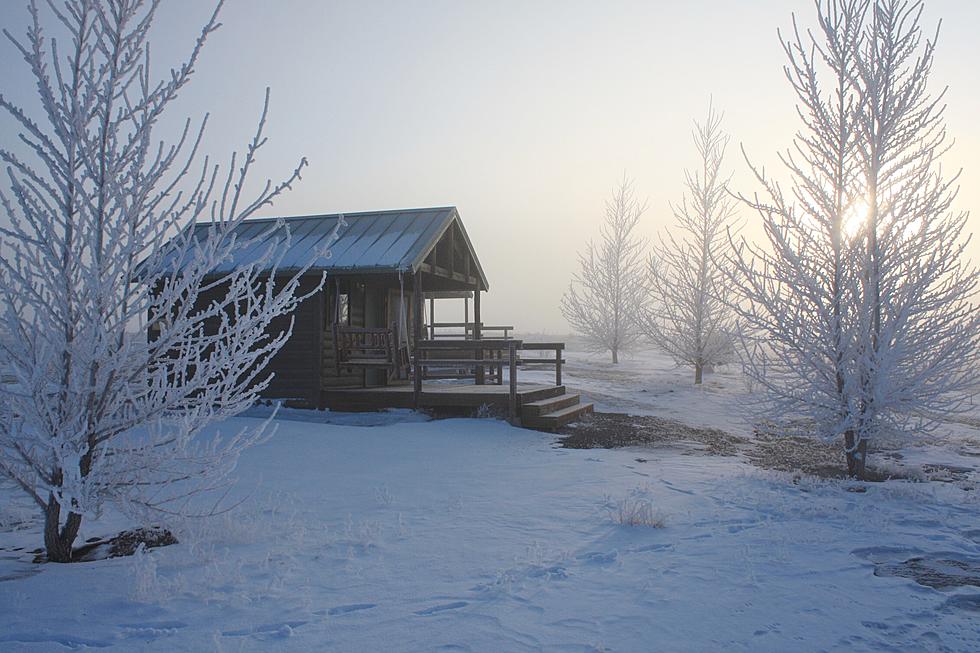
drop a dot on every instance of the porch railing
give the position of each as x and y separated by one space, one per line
469 328
478 355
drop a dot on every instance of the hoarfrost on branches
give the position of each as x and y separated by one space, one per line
608 290
689 314
857 311
100 249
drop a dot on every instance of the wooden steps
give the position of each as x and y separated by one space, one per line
552 413
548 405
543 407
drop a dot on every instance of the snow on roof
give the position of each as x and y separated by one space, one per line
372 241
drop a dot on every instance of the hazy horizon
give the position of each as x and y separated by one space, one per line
522 116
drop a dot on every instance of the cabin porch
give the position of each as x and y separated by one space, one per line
454 374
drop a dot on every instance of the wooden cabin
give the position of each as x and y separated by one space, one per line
358 340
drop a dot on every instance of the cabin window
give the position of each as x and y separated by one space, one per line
157 326
343 308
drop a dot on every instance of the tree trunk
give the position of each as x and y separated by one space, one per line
615 353
58 541
856 456
698 373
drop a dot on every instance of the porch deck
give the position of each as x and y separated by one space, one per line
438 395
470 362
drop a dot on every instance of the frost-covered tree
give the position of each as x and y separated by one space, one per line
799 288
689 314
606 293
858 307
98 250
919 333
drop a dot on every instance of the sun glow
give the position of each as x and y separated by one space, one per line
855 218
858 214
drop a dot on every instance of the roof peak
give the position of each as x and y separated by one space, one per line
350 215
372 241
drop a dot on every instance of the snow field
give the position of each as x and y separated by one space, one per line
473 535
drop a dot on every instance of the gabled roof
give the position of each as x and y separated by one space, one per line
372 241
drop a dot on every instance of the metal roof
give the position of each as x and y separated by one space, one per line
372 241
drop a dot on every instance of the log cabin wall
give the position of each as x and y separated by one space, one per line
296 374
297 365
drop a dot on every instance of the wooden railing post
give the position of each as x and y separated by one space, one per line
512 402
478 335
432 318
417 329
557 365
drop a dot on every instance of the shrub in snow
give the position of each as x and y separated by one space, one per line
101 243
143 572
857 309
489 411
637 509
689 314
243 555
608 291
384 496
15 516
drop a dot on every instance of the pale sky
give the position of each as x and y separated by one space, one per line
524 115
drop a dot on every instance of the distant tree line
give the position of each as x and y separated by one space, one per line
854 315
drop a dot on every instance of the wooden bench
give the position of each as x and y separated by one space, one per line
363 348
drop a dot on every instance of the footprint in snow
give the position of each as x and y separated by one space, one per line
280 630
436 609
152 629
973 535
599 557
768 629
553 572
68 641
653 547
670 486
969 602
347 609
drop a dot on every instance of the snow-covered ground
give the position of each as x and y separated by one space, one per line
647 382
388 533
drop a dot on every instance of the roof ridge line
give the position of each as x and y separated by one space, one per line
352 214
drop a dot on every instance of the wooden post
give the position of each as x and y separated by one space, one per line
512 402
452 248
417 332
557 365
466 317
432 318
478 335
